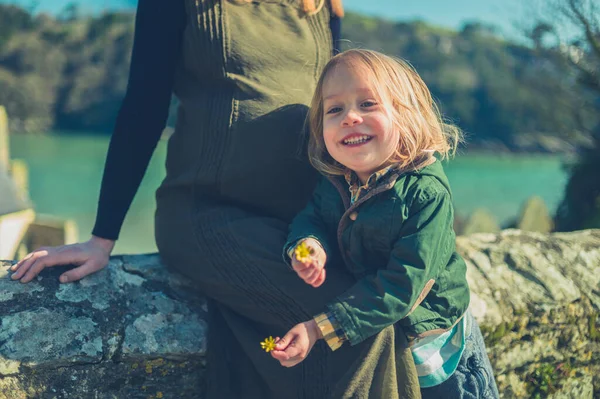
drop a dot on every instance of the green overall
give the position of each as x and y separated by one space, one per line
235 179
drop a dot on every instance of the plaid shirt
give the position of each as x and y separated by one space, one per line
358 190
333 334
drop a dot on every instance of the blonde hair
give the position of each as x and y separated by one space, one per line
309 7
407 101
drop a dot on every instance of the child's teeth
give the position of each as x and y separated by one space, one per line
356 140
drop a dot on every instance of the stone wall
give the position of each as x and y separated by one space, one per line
537 297
135 330
130 331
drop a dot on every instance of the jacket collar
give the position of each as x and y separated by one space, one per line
379 181
382 176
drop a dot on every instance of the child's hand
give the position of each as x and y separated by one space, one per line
295 346
311 268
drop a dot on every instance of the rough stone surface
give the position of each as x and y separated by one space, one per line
537 298
135 330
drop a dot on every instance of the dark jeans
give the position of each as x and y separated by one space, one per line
473 378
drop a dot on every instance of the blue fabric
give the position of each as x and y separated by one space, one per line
473 378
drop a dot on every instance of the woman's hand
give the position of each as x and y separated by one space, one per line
295 346
313 270
90 257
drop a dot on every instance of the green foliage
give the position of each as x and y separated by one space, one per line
546 379
592 327
70 12
494 90
493 335
70 73
12 20
580 207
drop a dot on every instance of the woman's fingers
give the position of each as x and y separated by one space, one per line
80 272
47 258
25 264
89 267
38 260
90 256
24 260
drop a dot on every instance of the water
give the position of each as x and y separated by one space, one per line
66 171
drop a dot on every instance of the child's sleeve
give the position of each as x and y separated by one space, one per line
424 246
310 223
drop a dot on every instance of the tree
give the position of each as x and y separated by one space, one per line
570 33
71 12
13 20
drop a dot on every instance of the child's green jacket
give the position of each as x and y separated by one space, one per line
398 241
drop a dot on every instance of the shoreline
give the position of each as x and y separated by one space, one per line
472 148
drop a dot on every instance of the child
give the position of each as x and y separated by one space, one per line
385 211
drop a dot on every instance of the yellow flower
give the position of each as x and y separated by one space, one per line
303 252
268 344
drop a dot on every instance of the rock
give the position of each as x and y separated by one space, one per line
534 216
575 388
135 330
480 221
536 297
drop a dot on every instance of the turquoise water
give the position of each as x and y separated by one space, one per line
66 171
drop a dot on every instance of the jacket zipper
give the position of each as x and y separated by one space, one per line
351 207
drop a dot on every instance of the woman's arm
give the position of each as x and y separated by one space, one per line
141 120
156 52
335 24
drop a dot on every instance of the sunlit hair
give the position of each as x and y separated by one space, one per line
407 101
310 7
